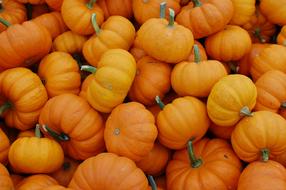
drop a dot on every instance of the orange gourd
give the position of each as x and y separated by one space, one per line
243 10
36 182
275 11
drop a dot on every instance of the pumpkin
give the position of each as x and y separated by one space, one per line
45 154
55 4
5 180
56 187
275 11
37 10
204 18
263 176
95 173
84 86
116 32
71 120
13 12
69 42
111 80
231 98
130 124
33 2
243 10
259 28
77 14
53 22
152 79
230 44
221 132
4 147
116 7
23 95
147 9
155 162
19 44
202 52
281 38
183 119
16 179
204 166
255 138
273 57
136 50
36 182
26 133
196 78
60 74
281 158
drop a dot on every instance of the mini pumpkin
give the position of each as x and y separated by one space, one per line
116 7
243 10
36 182
4 147
281 38
275 11
5 180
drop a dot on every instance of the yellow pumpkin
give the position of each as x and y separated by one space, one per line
243 10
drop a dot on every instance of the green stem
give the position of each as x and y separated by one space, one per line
283 105
94 23
4 107
88 68
233 67
90 4
197 3
152 182
265 154
195 163
66 166
163 10
55 135
257 34
29 11
5 22
38 131
159 102
197 53
245 111
172 18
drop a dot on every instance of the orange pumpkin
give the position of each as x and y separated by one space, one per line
281 38
71 120
23 95
243 10
152 79
55 4
221 132
116 7
5 180
36 182
204 166
275 11
4 147
206 17
95 173
26 133
84 86
255 138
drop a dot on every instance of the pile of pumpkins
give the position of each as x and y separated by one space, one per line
142 94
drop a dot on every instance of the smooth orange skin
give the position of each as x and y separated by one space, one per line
275 11
183 119
55 4
144 10
263 176
130 124
116 7
117 32
72 115
203 54
5 179
230 44
95 173
252 134
77 16
152 79
281 38
25 91
4 147
273 57
218 160
13 12
69 42
243 10
221 132
60 73
36 182
207 19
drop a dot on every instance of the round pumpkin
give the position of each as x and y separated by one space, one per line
108 171
26 133
5 180
55 4
116 7
231 98
36 182
275 11
4 147
221 132
281 38
243 10
204 166
255 138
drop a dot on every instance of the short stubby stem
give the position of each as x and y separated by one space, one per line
4 107
265 154
245 111
90 4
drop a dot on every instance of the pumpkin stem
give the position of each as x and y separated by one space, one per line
172 18
90 4
152 182
195 163
159 102
197 53
66 165
88 68
163 9
257 34
245 111
197 3
233 67
4 107
5 22
265 154
94 23
184 2
283 105
38 131
29 11
55 135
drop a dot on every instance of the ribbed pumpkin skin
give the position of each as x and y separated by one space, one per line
218 159
116 7
95 173
36 182
243 10
275 11
281 38
5 180
252 134
228 96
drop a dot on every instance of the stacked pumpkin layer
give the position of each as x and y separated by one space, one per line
142 94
